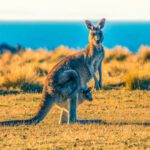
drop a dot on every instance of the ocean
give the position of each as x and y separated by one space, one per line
50 35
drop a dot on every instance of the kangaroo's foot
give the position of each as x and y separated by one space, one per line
97 86
91 121
72 108
100 86
73 120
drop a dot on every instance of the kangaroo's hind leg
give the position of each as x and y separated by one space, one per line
68 84
73 108
64 117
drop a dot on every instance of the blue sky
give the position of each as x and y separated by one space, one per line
46 10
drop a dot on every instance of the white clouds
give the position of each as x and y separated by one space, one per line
74 9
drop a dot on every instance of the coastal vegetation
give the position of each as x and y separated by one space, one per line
26 70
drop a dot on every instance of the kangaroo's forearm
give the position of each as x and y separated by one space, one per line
100 74
88 66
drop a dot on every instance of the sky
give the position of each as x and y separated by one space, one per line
47 10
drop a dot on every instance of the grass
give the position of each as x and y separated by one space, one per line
144 54
124 98
23 79
30 68
118 53
135 81
111 106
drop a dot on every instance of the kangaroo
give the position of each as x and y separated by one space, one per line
95 45
69 76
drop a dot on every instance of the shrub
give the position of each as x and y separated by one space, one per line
117 69
40 71
135 81
118 53
60 53
23 79
144 54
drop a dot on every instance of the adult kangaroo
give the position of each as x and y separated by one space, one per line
68 77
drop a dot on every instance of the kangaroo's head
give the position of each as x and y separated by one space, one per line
95 34
86 93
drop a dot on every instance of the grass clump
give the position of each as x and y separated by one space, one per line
22 79
144 54
136 81
117 69
61 52
40 71
118 53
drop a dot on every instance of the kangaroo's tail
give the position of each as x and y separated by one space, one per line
47 103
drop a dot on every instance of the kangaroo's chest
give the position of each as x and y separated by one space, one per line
97 60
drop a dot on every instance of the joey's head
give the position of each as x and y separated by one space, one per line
95 32
86 93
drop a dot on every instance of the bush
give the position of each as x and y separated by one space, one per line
117 69
144 54
118 53
22 79
40 71
133 81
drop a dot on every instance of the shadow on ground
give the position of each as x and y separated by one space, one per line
112 123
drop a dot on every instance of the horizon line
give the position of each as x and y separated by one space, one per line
69 20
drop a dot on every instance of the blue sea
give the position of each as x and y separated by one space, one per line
50 35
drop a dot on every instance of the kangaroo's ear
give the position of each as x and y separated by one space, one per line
101 23
89 24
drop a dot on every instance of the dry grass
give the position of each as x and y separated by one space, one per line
135 80
111 106
144 54
22 78
118 53
26 71
30 68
